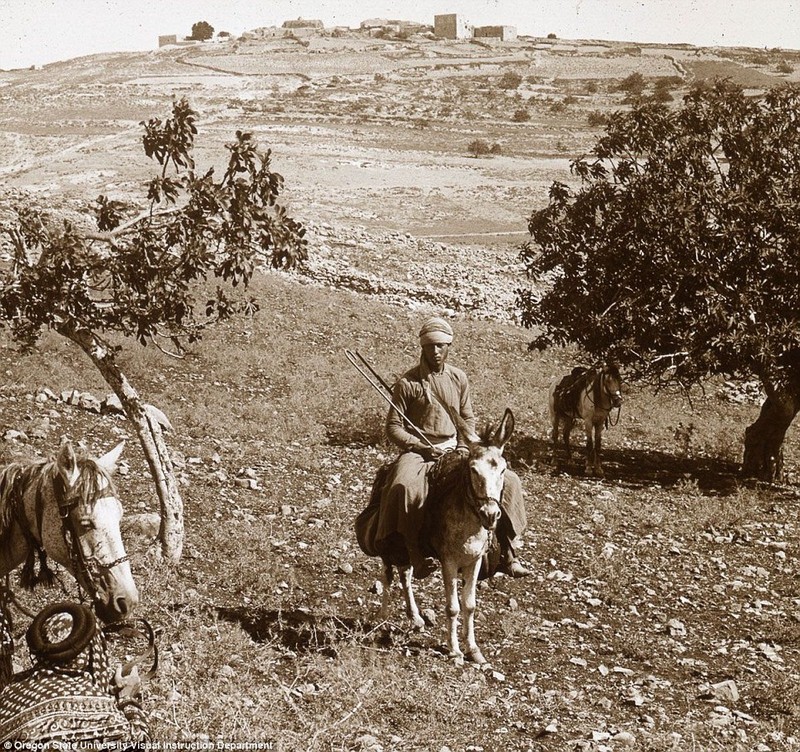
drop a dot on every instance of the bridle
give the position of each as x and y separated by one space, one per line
476 501
603 389
87 568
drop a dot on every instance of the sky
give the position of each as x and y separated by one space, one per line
36 32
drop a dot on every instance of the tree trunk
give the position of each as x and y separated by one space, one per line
763 440
150 437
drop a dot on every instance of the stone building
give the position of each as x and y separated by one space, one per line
451 26
503 33
304 23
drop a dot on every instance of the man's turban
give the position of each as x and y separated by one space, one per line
435 331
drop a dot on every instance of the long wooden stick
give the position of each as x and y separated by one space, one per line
381 387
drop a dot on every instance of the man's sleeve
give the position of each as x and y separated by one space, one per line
396 430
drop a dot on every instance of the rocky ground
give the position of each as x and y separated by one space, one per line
663 612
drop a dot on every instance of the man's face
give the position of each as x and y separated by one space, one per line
435 355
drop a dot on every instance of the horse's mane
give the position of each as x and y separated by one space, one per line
447 476
19 477
15 478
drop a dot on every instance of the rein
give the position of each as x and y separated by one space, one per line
476 501
86 567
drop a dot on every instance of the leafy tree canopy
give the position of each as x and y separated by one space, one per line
201 31
679 254
139 272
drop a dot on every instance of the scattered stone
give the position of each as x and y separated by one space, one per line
676 628
89 402
346 568
112 404
41 428
158 416
71 397
145 523
724 691
429 615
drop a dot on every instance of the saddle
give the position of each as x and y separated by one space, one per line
568 391
443 475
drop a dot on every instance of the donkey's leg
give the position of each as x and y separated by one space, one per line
598 432
406 579
590 447
452 606
386 581
568 422
554 440
470 574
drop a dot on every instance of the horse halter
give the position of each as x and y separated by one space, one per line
476 501
87 568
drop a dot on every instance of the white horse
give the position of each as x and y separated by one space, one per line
66 508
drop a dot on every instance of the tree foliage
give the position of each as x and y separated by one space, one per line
138 274
143 271
202 31
679 253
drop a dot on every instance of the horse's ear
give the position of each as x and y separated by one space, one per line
504 430
109 460
67 463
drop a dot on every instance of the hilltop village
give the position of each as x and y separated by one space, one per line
445 26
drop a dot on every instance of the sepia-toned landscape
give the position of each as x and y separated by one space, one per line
663 612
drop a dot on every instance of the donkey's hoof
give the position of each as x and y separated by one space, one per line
418 622
475 656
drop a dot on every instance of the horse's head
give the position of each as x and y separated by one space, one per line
487 468
611 382
91 514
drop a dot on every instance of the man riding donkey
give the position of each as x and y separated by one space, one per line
423 396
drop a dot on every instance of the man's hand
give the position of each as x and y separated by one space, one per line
431 454
428 453
129 686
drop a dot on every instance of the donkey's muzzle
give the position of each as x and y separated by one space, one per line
489 514
616 399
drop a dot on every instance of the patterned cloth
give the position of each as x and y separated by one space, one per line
68 699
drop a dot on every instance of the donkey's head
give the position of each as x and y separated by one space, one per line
487 467
611 383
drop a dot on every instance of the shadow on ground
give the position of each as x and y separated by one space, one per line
636 467
302 631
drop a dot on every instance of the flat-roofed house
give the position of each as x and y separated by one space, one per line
451 26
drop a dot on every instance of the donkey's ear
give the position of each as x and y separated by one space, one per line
67 463
504 430
109 460
464 434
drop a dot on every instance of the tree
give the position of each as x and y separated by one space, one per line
201 31
140 273
679 254
479 147
634 84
